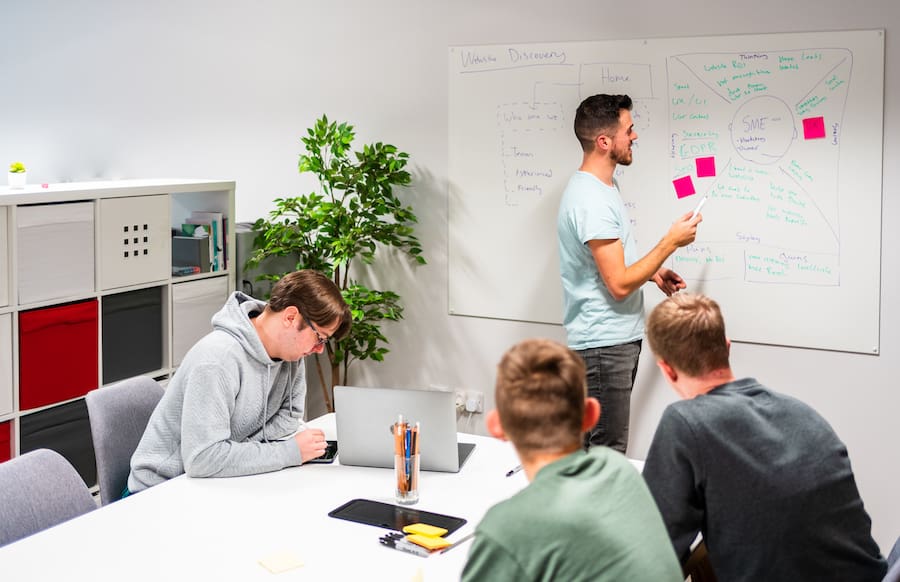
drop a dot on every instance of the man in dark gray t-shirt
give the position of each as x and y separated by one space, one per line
761 475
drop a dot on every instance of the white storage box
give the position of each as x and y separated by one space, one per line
4 258
193 305
135 241
55 251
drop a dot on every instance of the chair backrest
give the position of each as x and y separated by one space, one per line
118 416
39 489
893 573
697 567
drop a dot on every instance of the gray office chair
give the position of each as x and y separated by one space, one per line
39 489
118 415
696 567
893 573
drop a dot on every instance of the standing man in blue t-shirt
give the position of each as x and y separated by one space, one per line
602 274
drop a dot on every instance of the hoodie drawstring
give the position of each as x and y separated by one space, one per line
268 390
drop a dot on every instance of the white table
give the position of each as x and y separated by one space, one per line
218 529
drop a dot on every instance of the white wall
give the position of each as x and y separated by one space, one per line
211 89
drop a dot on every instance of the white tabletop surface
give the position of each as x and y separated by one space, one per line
219 529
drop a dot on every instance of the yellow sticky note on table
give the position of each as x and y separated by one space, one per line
281 562
431 543
424 529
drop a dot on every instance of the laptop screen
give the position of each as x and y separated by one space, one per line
365 416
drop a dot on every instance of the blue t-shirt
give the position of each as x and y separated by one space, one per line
591 210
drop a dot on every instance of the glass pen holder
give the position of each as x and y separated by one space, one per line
406 471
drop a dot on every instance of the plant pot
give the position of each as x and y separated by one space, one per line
17 179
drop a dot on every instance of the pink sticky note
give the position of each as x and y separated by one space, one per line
684 186
706 167
814 128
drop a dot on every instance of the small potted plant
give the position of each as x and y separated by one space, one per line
17 175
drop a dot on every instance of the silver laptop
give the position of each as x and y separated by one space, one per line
365 415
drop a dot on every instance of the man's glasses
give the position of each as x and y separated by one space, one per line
320 339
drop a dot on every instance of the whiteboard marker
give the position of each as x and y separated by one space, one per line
699 206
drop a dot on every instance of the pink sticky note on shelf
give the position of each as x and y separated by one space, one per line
706 167
814 128
684 186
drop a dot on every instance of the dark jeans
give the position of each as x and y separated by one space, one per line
610 376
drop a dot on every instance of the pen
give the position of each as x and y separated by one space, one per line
458 542
399 445
411 548
407 450
514 470
398 543
699 206
414 479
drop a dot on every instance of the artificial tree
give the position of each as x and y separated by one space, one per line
355 213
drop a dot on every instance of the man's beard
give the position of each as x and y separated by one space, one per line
622 157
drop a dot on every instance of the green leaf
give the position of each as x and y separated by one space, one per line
355 214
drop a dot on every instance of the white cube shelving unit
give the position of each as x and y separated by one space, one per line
70 244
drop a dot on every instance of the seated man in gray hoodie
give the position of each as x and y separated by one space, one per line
242 388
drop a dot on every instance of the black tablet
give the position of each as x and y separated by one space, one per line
393 517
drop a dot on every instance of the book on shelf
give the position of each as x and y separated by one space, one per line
215 223
225 228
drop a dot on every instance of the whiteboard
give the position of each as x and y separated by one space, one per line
781 132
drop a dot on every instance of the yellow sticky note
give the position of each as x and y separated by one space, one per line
424 529
281 562
429 542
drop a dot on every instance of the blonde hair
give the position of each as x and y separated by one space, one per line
688 332
540 393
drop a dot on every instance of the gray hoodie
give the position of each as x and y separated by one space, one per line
224 408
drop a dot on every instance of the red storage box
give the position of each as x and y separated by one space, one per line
57 353
5 441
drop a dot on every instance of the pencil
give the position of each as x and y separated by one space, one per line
465 538
399 432
415 462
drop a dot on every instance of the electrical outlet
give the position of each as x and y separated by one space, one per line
460 400
475 401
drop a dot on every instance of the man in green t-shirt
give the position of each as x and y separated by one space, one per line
584 515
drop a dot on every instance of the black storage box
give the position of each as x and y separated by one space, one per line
66 430
132 333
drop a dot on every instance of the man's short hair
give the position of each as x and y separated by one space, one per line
315 296
688 332
540 394
597 115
